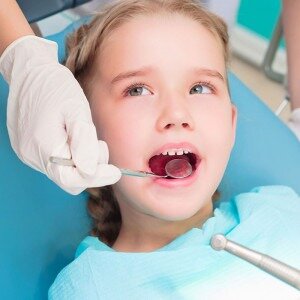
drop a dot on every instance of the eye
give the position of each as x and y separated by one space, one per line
137 90
201 88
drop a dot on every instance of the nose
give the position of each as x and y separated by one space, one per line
175 114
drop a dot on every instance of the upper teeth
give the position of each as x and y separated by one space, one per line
176 152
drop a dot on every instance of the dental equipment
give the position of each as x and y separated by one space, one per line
176 168
266 263
282 105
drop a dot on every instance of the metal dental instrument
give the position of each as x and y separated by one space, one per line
176 168
266 263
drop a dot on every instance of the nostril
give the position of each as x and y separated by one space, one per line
184 125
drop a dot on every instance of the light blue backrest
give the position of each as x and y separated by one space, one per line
41 225
266 152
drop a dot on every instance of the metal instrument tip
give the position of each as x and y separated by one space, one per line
218 242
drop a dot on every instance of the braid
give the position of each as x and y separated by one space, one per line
105 212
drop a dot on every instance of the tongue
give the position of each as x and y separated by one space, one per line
157 163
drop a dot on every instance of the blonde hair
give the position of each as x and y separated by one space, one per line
83 44
82 47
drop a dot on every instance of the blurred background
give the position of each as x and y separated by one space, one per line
251 36
252 24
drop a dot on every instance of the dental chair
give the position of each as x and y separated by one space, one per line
36 10
41 225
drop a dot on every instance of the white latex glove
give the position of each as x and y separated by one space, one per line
49 115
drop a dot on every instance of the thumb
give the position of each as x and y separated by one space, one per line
103 152
69 179
84 146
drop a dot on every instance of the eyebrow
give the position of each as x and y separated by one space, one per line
209 72
146 70
141 72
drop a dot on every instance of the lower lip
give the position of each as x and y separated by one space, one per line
171 183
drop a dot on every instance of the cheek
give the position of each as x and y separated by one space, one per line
216 131
123 130
215 120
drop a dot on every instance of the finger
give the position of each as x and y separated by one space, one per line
84 147
103 152
81 131
69 178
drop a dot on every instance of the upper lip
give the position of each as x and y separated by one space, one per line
178 145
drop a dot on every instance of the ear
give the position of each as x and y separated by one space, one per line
234 112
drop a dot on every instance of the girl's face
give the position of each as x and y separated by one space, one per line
159 85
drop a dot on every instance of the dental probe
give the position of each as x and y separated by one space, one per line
70 163
176 168
266 263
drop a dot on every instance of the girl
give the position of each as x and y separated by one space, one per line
154 72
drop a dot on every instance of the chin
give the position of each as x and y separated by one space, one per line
179 212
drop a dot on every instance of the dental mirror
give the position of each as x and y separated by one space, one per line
177 168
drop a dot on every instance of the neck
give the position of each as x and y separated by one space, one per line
147 233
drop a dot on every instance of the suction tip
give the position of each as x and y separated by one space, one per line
218 242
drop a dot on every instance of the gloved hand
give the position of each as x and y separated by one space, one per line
49 115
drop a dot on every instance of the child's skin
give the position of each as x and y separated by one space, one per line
170 108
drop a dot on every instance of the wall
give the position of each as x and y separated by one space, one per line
256 21
260 16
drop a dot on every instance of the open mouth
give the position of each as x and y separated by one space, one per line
157 163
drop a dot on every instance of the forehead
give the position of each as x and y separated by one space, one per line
163 40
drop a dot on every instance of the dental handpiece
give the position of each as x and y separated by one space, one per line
274 267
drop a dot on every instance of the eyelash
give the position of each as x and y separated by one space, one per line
141 84
132 86
208 84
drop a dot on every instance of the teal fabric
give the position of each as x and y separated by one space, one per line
41 225
265 219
